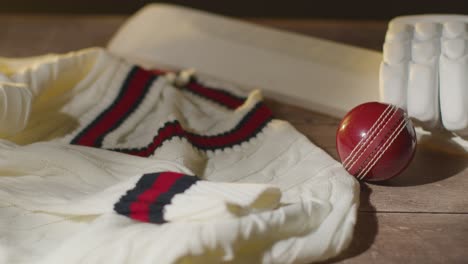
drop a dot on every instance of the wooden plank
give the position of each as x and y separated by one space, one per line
370 35
408 238
435 181
36 35
28 35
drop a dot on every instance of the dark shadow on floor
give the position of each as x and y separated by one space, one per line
365 231
437 158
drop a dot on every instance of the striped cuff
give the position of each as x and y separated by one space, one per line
171 196
151 194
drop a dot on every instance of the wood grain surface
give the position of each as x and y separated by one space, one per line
418 217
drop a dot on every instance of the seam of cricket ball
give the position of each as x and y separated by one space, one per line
368 141
363 141
368 144
382 142
377 147
402 125
384 147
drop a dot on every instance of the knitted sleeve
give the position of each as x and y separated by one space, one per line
29 84
139 165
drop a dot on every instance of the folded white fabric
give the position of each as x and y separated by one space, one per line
15 102
121 164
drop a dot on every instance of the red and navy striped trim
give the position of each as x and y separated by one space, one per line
247 128
131 95
146 201
218 96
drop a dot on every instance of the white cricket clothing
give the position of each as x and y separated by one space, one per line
90 131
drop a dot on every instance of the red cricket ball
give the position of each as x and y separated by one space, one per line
375 141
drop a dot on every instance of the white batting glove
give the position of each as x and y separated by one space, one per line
425 69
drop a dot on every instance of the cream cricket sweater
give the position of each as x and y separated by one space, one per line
102 161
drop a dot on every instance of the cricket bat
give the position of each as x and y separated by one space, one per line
316 74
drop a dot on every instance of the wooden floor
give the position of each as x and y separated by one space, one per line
419 217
